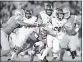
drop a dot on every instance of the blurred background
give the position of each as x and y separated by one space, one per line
7 7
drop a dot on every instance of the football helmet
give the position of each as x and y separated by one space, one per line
67 12
59 13
19 12
48 6
28 13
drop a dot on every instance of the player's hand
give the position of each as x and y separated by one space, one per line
26 25
74 33
32 25
41 25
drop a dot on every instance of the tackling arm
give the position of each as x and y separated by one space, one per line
20 22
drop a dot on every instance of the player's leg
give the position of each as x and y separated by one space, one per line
19 50
56 48
19 44
63 45
73 45
79 49
34 52
22 37
49 46
62 51
79 45
80 42
4 44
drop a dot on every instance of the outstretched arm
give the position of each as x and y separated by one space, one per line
26 24
20 22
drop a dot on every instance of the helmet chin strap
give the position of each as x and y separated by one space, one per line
49 14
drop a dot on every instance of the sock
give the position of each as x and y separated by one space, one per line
62 53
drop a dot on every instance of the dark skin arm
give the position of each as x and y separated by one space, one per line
20 22
48 30
26 24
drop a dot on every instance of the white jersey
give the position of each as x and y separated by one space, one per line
58 23
45 17
56 27
32 20
23 33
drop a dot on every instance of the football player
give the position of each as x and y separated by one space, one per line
54 25
10 26
72 27
24 32
45 17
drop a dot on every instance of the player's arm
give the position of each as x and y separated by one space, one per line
39 21
20 22
26 24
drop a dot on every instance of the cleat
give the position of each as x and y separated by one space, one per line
9 59
55 57
73 54
45 60
60 60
